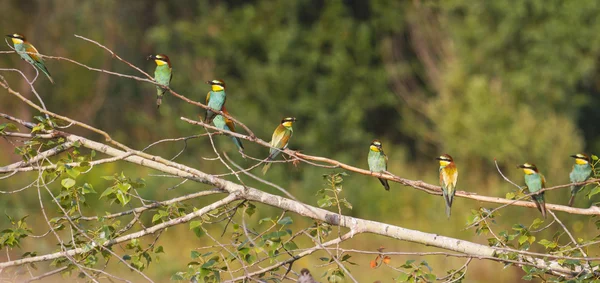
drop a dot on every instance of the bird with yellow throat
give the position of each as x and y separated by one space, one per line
582 170
535 182
448 178
162 75
378 161
280 140
28 53
215 99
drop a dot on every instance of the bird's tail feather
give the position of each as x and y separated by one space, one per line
574 191
266 168
540 204
45 71
385 184
238 143
572 200
158 101
448 198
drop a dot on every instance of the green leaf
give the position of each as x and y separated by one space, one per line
510 195
250 209
404 277
195 254
67 183
523 239
88 189
285 221
198 232
594 191
9 127
156 217
290 246
73 172
325 201
178 276
209 263
107 192
195 224
430 277
536 223
124 187
408 263
123 198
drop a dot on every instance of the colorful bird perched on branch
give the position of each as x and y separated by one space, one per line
215 99
535 181
163 75
378 161
448 178
225 123
279 141
582 170
28 53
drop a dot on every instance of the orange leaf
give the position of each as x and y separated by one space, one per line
387 260
373 264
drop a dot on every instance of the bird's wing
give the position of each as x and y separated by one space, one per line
228 121
449 176
543 181
454 177
281 136
386 160
207 97
171 77
33 53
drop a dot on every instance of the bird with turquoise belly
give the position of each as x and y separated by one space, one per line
535 182
163 74
377 161
28 53
582 170
225 123
215 99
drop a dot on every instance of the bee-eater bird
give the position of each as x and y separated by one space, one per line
582 170
378 161
535 181
163 75
305 277
225 123
215 99
279 141
448 178
29 53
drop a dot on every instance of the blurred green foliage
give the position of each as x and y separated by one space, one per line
512 80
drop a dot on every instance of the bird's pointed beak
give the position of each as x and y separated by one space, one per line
574 156
9 36
151 57
209 82
520 166
438 158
